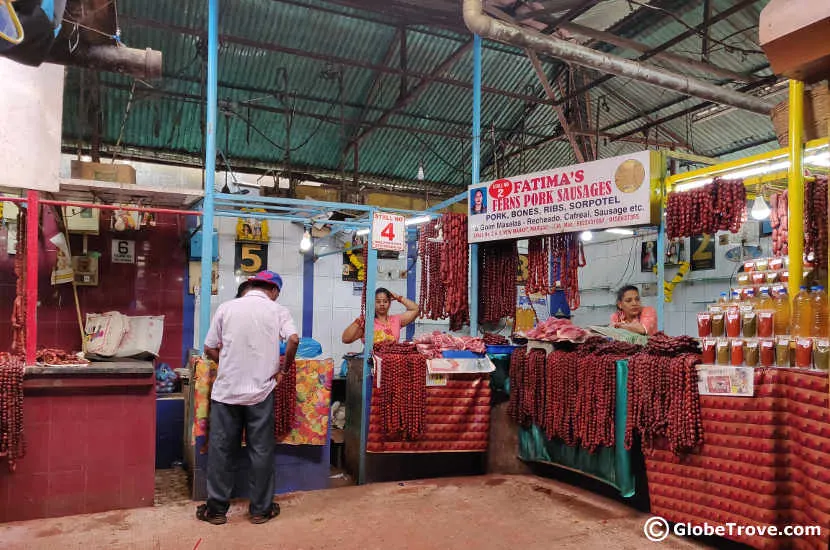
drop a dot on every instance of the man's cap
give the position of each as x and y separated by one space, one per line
268 277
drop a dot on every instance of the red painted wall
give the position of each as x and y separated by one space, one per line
151 286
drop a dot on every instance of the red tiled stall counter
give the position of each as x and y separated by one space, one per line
90 446
765 461
457 419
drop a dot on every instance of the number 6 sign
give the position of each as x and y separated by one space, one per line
388 232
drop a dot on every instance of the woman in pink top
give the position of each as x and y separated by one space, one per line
631 315
387 327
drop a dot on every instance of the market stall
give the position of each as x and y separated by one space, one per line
763 382
82 388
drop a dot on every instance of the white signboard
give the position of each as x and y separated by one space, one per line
388 232
726 381
605 193
123 252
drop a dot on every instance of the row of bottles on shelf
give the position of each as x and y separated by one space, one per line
783 351
769 313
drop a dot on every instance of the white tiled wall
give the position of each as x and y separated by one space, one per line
335 305
613 264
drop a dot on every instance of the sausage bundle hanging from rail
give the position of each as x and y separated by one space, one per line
569 393
815 220
498 263
444 268
565 253
402 394
19 308
12 439
663 398
718 206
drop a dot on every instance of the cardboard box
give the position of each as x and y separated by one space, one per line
119 173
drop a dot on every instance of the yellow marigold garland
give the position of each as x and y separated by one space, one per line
356 261
668 286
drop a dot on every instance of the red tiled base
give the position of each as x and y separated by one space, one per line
89 448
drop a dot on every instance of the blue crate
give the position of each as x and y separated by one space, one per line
460 354
500 350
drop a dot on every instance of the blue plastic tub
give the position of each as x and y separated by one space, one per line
500 350
460 354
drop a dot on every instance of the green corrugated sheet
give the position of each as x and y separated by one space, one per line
253 74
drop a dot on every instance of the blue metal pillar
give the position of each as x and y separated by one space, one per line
308 294
210 169
371 283
476 170
411 281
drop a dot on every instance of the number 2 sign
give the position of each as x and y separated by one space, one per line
388 232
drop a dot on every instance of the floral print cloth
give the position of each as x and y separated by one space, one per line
313 403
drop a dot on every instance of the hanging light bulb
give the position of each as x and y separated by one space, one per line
760 209
421 175
586 236
305 243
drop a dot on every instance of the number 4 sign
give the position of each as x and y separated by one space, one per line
388 232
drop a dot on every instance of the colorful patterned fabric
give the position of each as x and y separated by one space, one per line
313 401
204 373
311 426
765 461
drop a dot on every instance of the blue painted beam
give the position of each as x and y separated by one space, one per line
308 294
205 285
411 281
476 177
369 335
462 196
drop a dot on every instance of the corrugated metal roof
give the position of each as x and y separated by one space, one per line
260 85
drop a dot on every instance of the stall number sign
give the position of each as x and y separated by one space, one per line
250 258
388 232
123 252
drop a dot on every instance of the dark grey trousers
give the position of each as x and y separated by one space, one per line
224 444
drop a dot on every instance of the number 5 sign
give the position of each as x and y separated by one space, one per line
388 232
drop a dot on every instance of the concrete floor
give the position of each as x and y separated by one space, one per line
487 512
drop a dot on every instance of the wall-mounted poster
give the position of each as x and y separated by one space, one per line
195 277
648 256
703 252
522 273
675 252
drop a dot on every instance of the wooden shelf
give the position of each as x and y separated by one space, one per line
114 193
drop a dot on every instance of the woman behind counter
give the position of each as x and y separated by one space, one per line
387 327
631 315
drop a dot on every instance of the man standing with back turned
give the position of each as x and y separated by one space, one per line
244 339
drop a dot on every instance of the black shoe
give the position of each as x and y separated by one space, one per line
203 514
267 516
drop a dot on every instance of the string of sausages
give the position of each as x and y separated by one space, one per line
779 220
718 206
663 399
538 265
498 263
815 220
492 339
431 298
285 400
454 268
568 256
569 393
402 394
19 308
12 439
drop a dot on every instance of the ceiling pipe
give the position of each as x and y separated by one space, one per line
142 64
482 24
